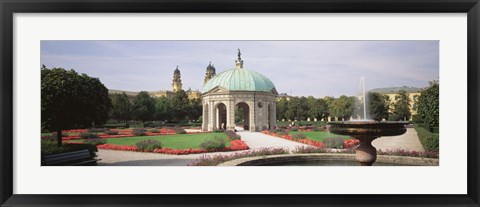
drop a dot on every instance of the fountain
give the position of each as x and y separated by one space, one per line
366 131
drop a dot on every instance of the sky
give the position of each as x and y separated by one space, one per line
298 68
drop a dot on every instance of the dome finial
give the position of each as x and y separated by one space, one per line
239 61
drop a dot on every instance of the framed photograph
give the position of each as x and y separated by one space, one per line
200 103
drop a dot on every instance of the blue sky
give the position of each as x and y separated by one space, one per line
300 68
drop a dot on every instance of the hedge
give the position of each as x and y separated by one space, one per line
429 140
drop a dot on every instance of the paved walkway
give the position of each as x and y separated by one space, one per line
254 140
257 140
408 141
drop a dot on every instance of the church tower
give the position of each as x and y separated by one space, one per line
210 73
177 82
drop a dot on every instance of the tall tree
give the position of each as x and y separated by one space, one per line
194 109
121 107
293 107
143 107
179 105
302 110
282 106
401 107
70 100
377 106
328 102
317 108
428 104
162 109
343 107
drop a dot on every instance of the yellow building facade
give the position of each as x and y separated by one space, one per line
393 96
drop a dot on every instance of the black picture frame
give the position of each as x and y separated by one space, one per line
10 7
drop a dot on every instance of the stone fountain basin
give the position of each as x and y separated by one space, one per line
368 128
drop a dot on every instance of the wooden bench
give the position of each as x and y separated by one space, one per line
82 157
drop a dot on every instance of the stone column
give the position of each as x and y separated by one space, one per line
212 115
230 115
204 116
273 115
253 122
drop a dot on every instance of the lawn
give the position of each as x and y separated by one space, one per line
318 135
175 141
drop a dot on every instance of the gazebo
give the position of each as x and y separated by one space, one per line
239 87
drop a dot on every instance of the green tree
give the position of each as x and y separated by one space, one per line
293 107
143 107
239 114
428 104
303 110
179 105
343 107
70 100
401 107
121 107
162 109
194 109
317 108
377 106
282 106
328 102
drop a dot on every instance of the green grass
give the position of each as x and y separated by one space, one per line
318 136
176 141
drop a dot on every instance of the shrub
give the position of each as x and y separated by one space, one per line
148 145
154 130
180 131
217 159
111 132
215 143
219 130
97 129
95 141
51 137
139 131
235 137
429 140
299 136
333 142
321 128
232 135
294 129
308 149
49 148
88 135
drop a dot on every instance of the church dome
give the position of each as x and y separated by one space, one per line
240 79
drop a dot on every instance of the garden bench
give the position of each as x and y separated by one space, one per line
82 157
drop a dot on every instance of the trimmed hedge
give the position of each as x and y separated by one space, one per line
429 140
49 148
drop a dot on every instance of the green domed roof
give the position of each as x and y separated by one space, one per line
239 79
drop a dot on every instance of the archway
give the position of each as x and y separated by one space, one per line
221 116
242 115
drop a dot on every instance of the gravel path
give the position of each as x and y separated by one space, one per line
408 141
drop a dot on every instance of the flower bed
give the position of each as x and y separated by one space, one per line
235 145
122 133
